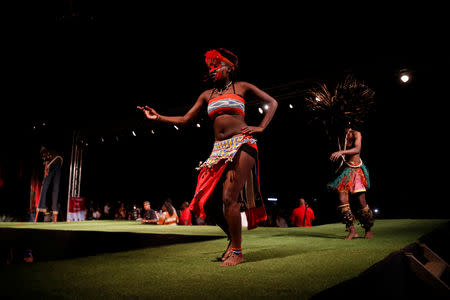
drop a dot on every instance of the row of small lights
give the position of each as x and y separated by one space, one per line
404 78
260 109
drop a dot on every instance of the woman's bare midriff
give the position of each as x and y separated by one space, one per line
227 126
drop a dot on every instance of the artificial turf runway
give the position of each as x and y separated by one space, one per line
279 262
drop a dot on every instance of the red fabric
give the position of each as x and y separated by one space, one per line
213 58
226 96
76 204
255 216
37 195
36 188
185 218
226 111
354 182
298 215
207 181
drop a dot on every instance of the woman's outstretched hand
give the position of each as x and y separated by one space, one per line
149 112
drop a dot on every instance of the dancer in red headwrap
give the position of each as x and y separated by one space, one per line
228 180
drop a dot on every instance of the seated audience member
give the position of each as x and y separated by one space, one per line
107 211
149 215
169 215
121 212
280 221
96 215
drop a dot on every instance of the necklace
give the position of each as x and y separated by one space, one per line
345 147
221 91
350 164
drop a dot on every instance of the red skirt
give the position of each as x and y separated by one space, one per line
211 172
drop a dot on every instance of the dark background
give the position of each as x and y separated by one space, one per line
102 59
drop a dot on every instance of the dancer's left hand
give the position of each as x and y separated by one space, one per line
252 129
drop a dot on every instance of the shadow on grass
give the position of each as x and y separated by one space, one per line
58 244
267 254
313 234
275 252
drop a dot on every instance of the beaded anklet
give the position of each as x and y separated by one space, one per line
237 251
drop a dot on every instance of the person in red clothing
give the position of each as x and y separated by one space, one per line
185 215
302 216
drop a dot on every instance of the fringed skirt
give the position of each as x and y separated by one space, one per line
212 170
351 179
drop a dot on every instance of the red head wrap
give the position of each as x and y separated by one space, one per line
213 59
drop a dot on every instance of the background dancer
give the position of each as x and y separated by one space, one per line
52 177
232 166
349 105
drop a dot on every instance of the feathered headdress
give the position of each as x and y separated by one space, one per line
349 103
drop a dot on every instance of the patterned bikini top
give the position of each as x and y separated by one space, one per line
226 104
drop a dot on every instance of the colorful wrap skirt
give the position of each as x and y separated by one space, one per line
214 167
351 179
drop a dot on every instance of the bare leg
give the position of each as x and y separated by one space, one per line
365 216
347 216
214 209
235 179
362 200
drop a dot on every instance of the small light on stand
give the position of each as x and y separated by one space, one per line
405 76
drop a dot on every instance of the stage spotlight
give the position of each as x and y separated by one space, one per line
405 75
266 107
291 106
152 131
134 133
272 199
176 127
318 99
376 211
198 125
260 110
404 78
